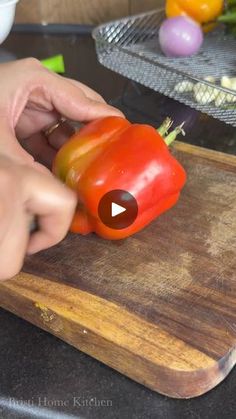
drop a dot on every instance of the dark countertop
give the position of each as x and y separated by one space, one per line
42 376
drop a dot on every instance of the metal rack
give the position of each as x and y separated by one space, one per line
130 47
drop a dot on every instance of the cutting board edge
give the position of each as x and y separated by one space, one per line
205 153
156 377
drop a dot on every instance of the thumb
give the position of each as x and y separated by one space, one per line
72 102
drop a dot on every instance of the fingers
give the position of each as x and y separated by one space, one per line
90 93
44 105
58 137
44 149
33 98
33 121
13 223
10 146
14 244
38 146
54 206
25 193
71 101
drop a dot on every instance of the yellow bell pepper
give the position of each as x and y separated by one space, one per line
202 11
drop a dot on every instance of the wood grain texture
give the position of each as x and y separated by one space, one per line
80 11
70 11
159 306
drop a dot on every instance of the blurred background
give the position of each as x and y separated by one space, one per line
80 11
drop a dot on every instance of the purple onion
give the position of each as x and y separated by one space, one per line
180 37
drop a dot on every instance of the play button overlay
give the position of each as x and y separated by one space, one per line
118 209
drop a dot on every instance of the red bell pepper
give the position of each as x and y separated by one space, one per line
111 153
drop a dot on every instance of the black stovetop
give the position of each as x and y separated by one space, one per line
41 375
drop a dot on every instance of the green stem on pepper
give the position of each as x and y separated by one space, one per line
173 135
165 126
163 130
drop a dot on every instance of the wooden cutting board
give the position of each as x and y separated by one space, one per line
160 307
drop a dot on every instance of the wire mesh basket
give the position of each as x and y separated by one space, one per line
130 47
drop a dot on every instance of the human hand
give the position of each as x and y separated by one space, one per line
32 99
26 193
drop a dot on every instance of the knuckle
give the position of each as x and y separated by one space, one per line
99 98
71 199
64 219
30 65
56 237
68 199
32 62
59 237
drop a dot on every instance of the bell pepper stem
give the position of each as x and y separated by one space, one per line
165 126
170 138
163 130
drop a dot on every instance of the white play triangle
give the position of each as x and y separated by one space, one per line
116 209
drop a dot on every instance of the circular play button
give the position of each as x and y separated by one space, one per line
118 209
